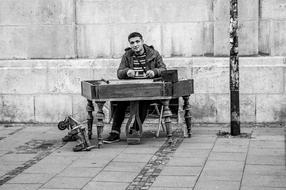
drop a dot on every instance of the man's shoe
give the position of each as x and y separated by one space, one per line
112 138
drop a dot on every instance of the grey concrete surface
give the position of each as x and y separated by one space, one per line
33 157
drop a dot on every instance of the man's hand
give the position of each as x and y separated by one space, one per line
131 73
150 74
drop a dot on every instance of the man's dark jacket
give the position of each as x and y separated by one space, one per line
154 62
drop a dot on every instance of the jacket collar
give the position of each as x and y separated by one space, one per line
150 52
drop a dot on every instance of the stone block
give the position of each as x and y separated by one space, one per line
221 38
137 11
36 12
208 39
275 9
247 108
223 108
66 76
52 108
211 75
183 39
248 10
182 65
151 34
43 41
17 108
183 11
93 12
264 37
251 77
27 78
248 38
13 42
221 10
278 38
105 69
270 108
94 41
204 108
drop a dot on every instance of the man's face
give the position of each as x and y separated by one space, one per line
136 44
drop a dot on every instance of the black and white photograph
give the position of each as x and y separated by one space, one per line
142 94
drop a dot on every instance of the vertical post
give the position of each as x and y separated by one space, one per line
234 70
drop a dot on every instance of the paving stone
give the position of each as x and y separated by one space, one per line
266 159
181 171
123 166
20 186
105 186
96 163
25 178
268 170
110 176
230 156
196 146
133 158
264 181
229 174
67 182
52 169
80 172
191 153
166 188
181 161
267 144
260 188
224 165
139 150
210 185
230 148
175 181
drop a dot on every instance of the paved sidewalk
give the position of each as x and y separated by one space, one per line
33 157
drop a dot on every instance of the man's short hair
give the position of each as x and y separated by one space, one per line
135 34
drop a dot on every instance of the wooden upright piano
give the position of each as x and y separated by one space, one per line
163 89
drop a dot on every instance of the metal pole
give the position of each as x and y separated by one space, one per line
234 70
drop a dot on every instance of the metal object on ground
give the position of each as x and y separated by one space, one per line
78 129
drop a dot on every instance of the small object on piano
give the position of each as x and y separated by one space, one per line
106 81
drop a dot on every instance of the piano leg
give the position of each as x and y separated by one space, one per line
188 116
100 117
89 109
167 116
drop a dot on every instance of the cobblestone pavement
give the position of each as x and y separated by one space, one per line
33 157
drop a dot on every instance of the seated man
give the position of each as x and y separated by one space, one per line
139 61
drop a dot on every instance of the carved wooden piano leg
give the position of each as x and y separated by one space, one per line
89 109
100 117
188 116
167 115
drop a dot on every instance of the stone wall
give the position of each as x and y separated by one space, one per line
48 46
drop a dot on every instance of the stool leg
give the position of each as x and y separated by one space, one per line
188 115
89 109
167 115
100 117
160 113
